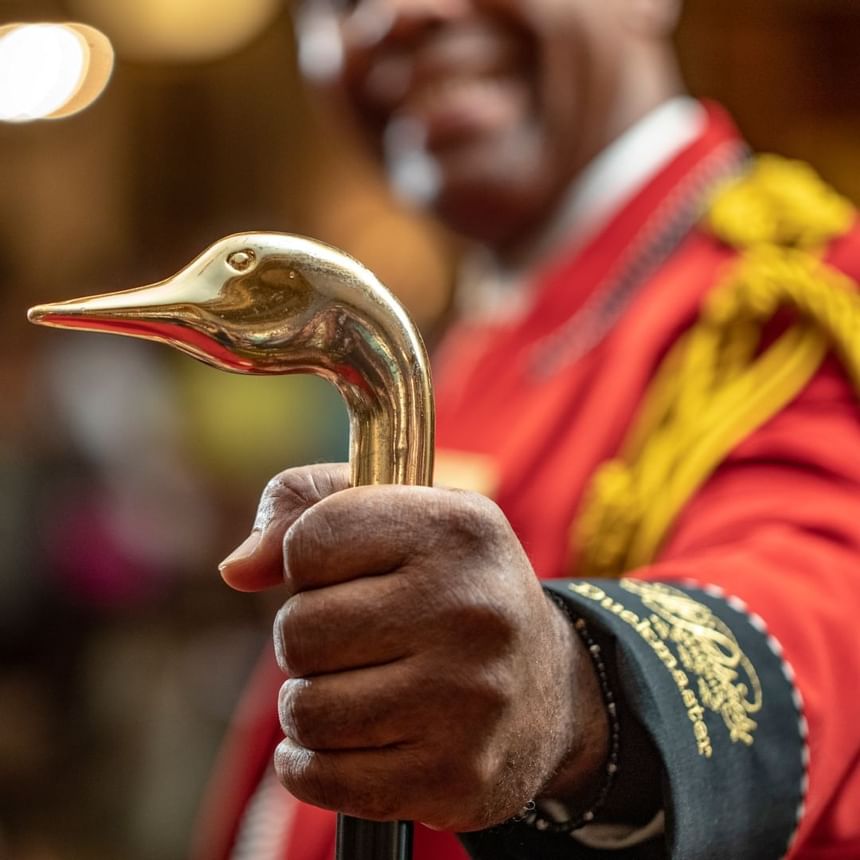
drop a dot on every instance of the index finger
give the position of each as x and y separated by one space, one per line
376 530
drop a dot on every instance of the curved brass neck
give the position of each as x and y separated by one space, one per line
269 303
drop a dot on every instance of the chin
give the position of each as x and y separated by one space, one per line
479 217
497 211
496 191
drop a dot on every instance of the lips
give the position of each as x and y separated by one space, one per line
454 109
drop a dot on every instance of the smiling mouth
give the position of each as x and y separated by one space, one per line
458 108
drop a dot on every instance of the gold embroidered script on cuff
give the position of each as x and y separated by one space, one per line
699 651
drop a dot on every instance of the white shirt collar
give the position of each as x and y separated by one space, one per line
489 289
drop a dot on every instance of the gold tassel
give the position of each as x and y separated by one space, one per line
715 387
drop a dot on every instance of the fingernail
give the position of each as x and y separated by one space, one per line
243 551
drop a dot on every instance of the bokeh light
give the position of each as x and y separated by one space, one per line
171 31
41 68
50 70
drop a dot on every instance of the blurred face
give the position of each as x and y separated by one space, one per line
486 108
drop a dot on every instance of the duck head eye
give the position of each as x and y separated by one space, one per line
242 261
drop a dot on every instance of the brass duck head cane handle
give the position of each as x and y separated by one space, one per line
271 303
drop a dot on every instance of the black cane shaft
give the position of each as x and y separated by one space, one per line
358 839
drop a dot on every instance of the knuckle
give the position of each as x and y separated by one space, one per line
477 698
319 525
292 642
470 519
291 763
309 776
290 492
285 493
491 625
487 698
480 772
306 542
297 713
492 693
369 789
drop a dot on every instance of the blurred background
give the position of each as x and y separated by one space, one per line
128 471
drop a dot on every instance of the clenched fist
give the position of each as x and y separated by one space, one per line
429 677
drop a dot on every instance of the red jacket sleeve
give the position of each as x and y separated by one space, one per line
778 526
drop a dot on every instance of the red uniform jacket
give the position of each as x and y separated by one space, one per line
763 565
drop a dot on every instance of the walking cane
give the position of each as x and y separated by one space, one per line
269 303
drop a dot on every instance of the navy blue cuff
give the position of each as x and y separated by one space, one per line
710 687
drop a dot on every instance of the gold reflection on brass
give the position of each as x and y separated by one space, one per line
270 303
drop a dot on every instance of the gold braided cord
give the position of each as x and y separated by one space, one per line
717 385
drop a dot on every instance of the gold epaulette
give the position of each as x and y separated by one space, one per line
717 385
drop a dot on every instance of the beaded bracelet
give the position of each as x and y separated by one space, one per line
530 814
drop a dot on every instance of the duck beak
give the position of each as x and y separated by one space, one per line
163 312
120 312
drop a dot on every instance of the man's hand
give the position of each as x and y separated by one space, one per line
430 678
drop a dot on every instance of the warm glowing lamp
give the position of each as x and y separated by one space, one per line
178 30
49 71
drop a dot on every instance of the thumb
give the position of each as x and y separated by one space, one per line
257 563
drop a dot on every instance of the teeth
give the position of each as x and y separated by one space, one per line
439 93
